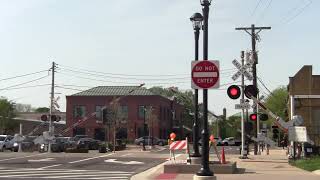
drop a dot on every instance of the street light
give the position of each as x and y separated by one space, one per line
205 169
196 20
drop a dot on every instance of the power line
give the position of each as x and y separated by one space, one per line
298 13
264 11
133 75
264 85
24 87
6 88
255 8
23 75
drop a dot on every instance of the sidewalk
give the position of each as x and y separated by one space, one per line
258 167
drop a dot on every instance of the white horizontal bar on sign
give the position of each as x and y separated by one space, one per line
205 74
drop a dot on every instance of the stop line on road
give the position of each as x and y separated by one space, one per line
36 173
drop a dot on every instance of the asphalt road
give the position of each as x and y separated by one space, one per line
93 165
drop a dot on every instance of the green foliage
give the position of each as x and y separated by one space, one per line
42 110
185 98
7 113
277 102
311 164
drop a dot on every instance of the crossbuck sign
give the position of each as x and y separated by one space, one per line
242 70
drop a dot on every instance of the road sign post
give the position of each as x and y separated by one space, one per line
205 74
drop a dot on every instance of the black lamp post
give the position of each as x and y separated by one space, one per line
144 129
205 169
196 20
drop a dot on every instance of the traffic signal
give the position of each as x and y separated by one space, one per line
253 117
44 117
275 132
263 117
234 91
251 90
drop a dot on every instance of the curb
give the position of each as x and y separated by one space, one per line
317 172
146 174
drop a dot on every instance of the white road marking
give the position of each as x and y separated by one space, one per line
22 157
122 162
50 166
126 155
160 149
32 173
41 160
72 162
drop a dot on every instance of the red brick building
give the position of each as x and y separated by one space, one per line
167 112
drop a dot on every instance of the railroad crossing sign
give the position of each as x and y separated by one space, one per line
242 70
205 74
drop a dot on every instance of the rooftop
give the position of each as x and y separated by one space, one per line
115 91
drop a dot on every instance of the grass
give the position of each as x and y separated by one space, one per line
310 164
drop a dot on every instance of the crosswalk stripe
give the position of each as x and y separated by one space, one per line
62 173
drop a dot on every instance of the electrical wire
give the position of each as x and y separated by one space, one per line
264 85
27 82
24 87
131 75
298 13
264 11
255 8
23 75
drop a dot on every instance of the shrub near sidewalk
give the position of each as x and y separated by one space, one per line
310 164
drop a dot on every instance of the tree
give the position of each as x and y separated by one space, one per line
277 102
42 110
184 98
7 113
23 107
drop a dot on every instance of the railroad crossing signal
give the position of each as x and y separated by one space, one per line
242 70
250 91
253 117
234 91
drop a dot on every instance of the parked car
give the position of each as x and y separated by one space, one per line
149 140
3 140
88 143
59 144
26 145
77 137
231 141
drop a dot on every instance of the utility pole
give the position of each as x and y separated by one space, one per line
51 104
254 37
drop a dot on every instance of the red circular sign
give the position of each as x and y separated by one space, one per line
205 74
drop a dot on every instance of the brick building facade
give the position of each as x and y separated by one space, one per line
167 112
305 89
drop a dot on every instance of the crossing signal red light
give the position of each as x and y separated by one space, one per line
234 92
44 117
253 117
250 91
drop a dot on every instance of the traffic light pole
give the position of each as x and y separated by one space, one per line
254 36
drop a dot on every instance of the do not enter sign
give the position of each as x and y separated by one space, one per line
205 74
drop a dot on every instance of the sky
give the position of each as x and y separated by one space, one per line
133 41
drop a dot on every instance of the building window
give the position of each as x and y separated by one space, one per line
141 112
99 112
124 112
79 111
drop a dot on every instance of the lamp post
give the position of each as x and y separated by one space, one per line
196 20
205 169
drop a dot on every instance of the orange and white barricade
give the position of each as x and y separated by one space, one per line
178 145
